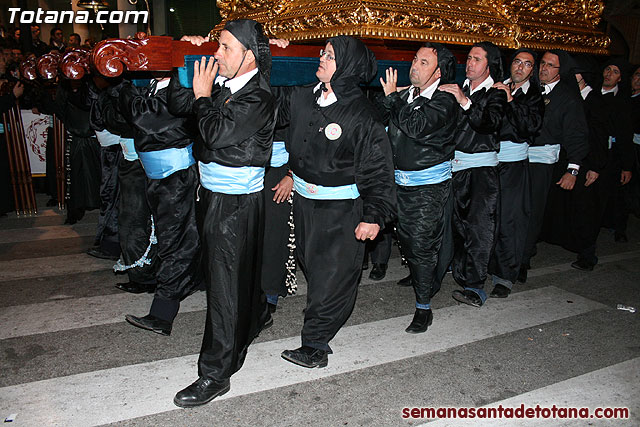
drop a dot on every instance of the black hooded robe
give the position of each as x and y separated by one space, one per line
422 136
134 215
171 199
235 130
476 190
522 122
327 251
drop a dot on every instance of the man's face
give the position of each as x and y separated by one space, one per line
16 34
522 67
477 64
549 68
57 35
635 80
74 40
423 68
16 55
35 32
230 54
327 66
611 76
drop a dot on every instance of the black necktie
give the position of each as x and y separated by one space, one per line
466 91
416 93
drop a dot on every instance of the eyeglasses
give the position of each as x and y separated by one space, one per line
326 55
544 64
526 64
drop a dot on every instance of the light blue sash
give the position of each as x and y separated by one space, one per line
231 180
512 151
162 163
106 138
279 154
464 160
547 154
433 175
128 149
318 192
636 138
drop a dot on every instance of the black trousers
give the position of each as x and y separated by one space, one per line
134 221
513 221
331 259
231 228
172 202
276 235
540 177
107 230
476 193
421 228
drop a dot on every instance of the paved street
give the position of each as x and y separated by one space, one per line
68 358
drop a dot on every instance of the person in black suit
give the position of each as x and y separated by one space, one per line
422 125
522 122
564 128
476 189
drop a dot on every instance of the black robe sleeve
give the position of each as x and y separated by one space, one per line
374 175
230 122
485 117
575 135
417 123
179 99
525 114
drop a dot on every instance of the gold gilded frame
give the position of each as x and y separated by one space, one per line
541 24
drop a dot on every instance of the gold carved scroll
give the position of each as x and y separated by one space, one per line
541 24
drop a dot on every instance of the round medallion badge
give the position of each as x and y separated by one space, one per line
333 131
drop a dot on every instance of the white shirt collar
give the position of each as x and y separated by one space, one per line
486 84
161 85
613 90
549 87
585 91
236 83
322 101
427 93
525 86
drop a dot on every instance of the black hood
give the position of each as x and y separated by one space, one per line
250 34
446 62
355 64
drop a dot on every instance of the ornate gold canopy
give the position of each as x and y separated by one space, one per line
541 24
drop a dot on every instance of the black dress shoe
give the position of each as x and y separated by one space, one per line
268 323
378 271
522 274
500 291
405 281
582 264
467 297
307 356
204 390
621 238
150 323
422 319
99 253
136 288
